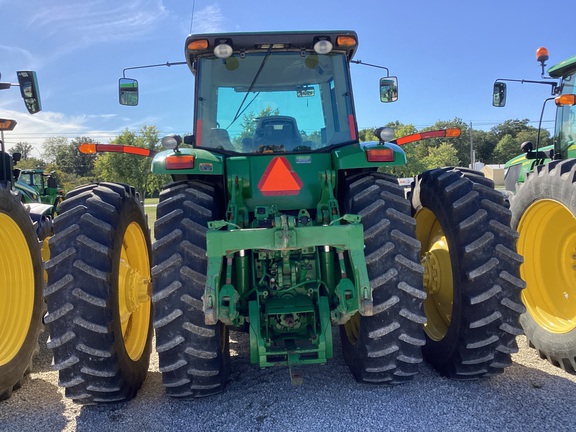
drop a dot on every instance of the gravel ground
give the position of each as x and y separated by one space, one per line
530 395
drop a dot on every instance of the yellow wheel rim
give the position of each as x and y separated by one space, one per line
45 252
16 288
435 257
548 243
352 328
134 286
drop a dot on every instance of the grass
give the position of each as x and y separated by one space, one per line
150 210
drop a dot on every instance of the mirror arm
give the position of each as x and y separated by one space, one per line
554 84
151 66
371 65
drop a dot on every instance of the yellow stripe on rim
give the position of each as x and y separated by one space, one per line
548 243
16 288
134 286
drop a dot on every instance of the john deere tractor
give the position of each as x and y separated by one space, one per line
278 223
44 184
21 272
544 213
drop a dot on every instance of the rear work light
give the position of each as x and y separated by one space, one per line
380 155
176 162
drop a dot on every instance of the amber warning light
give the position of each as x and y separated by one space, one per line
542 54
90 148
449 133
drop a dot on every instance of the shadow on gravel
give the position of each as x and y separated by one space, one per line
36 406
43 361
530 395
523 398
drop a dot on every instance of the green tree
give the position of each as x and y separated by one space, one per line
413 152
484 144
460 143
53 147
510 127
443 155
367 135
23 148
249 121
507 148
32 163
131 169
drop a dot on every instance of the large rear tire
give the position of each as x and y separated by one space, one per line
544 214
21 284
194 357
98 294
386 347
471 273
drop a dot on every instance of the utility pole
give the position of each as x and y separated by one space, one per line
472 155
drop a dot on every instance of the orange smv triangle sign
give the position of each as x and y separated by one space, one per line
279 179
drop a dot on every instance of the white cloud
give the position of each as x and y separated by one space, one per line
16 55
37 128
81 24
208 20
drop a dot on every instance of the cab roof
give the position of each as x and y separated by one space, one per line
261 41
563 68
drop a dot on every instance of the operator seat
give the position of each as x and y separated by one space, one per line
219 138
277 130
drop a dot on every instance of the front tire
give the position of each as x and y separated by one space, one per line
98 294
386 347
21 284
471 273
544 214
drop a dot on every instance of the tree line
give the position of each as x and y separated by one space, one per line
72 168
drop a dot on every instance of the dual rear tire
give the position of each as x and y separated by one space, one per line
98 294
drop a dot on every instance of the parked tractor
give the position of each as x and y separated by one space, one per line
21 268
543 206
45 185
279 223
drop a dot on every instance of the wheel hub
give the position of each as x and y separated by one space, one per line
137 290
134 291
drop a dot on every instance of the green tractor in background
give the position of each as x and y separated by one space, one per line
543 206
21 268
278 223
45 185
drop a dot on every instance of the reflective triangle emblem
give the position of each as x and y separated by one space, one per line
279 179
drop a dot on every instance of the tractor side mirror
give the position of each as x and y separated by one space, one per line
128 91
16 157
499 94
388 89
29 90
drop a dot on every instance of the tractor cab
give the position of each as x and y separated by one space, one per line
272 93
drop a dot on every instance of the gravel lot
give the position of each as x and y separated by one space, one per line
530 395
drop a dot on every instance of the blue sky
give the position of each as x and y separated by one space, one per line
446 55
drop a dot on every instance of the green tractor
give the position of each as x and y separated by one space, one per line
41 207
278 223
21 268
543 180
45 185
